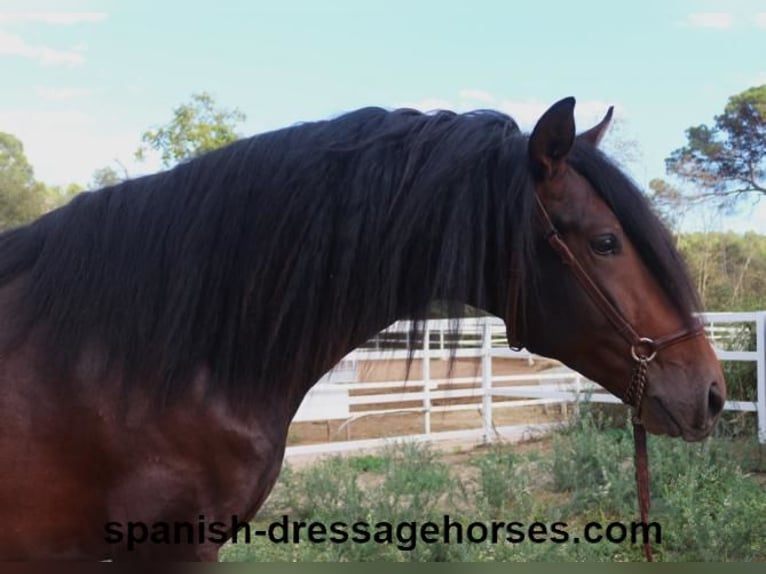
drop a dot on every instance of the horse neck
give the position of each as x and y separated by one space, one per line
410 281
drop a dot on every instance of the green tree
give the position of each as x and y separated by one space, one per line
667 201
21 197
728 159
197 127
58 195
105 177
729 269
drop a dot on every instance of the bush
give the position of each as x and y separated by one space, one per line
707 504
594 463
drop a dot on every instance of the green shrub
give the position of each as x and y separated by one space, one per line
503 484
593 462
707 504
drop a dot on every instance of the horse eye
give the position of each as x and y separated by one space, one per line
606 244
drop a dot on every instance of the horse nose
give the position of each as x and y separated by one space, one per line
715 400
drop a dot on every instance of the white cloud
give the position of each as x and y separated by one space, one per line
15 45
429 105
60 94
760 20
68 146
51 17
478 95
467 100
526 112
718 20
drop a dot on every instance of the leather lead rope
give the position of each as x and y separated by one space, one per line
634 396
641 464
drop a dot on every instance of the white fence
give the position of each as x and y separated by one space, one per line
484 338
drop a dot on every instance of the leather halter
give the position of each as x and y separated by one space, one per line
642 349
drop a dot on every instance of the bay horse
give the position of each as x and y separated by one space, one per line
157 336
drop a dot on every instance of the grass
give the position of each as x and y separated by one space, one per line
708 502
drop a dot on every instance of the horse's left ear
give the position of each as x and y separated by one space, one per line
594 135
552 139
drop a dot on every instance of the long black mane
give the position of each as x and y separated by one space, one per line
268 259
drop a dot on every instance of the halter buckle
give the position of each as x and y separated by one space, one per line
642 358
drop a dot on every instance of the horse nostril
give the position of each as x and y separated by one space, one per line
715 399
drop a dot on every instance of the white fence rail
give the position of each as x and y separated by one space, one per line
484 338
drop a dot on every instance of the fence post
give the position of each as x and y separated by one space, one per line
578 390
486 379
426 370
760 347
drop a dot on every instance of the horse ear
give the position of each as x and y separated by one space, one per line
552 139
594 135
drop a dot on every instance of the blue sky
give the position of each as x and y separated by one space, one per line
82 79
